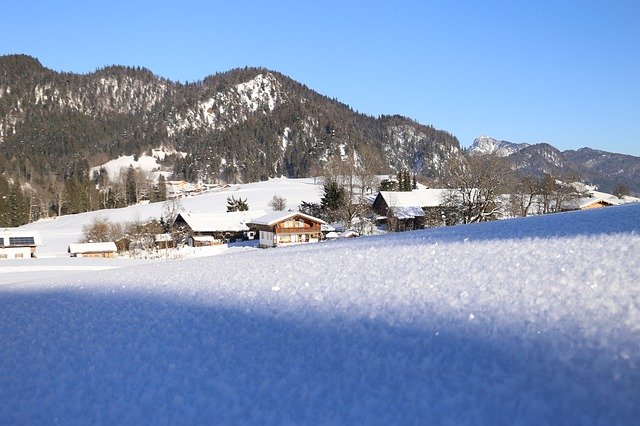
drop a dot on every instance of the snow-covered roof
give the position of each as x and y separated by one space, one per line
422 197
586 202
400 198
221 221
279 216
108 247
163 237
407 212
325 227
204 238
15 237
430 197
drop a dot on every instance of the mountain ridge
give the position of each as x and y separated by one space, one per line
243 124
604 169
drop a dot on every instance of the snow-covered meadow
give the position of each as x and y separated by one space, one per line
59 232
523 321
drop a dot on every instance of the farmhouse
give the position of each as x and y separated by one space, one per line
205 229
107 249
283 228
16 244
408 210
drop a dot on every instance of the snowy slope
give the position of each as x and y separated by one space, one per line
524 321
58 233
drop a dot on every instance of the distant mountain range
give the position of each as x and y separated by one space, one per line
603 169
238 126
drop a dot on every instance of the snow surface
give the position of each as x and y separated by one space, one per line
522 321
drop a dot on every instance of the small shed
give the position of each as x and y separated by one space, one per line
15 244
107 249
164 241
283 228
204 241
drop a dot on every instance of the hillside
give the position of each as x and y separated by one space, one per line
524 321
242 125
606 170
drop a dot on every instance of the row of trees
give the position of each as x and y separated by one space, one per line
478 184
21 204
480 188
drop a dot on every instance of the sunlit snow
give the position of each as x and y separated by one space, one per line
523 321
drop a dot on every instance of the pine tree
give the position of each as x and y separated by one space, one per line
334 200
236 205
18 206
131 185
5 214
160 193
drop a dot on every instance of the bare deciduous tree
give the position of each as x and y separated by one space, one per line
101 230
278 203
476 183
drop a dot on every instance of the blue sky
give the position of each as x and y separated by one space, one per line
562 72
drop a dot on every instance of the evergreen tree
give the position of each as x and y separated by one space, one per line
312 209
131 185
400 178
5 214
333 201
18 206
236 204
160 193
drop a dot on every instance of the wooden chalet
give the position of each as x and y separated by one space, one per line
284 228
16 244
106 249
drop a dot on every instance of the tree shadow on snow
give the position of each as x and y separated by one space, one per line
67 357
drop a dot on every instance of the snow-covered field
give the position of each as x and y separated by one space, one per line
58 233
524 321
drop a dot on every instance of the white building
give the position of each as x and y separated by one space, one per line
15 244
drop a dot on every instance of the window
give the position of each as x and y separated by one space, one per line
21 241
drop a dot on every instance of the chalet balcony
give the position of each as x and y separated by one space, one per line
302 230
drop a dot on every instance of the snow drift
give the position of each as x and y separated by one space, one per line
526 321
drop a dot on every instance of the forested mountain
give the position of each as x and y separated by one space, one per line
604 169
242 125
238 126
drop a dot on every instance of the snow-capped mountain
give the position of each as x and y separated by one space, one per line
489 145
603 169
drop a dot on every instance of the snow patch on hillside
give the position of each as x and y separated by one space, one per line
145 162
261 90
285 138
